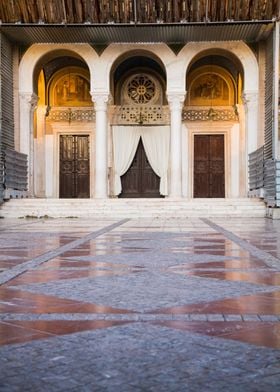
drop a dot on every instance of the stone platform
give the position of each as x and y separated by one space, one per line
132 208
147 304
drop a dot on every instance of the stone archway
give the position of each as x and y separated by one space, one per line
28 99
245 131
251 79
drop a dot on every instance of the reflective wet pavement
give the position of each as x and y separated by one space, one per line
140 305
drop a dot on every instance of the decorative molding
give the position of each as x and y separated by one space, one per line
71 114
140 115
210 114
141 89
250 98
176 100
29 99
100 100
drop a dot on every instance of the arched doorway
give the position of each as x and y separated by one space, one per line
61 135
69 88
139 93
214 85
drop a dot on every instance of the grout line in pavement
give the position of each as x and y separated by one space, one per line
195 317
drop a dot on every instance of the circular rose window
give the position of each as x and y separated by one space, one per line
141 89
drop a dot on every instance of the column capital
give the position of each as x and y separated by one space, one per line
250 98
30 99
100 99
176 99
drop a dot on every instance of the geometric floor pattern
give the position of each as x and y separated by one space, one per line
144 288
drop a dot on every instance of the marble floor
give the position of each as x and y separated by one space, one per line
140 305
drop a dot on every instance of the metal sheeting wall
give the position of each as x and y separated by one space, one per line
1 159
271 164
6 104
101 34
268 130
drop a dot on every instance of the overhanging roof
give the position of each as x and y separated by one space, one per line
104 34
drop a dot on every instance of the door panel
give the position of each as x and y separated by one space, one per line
217 175
209 176
131 179
82 167
140 180
201 170
74 166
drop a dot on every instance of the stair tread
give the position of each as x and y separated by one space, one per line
133 207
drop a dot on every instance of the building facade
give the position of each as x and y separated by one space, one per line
138 99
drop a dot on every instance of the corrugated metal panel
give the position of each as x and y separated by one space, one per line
268 131
6 102
1 156
7 118
13 165
15 170
256 169
272 183
105 34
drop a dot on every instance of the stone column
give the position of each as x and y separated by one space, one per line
28 103
101 155
250 100
39 153
176 101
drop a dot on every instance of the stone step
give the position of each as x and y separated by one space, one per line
132 208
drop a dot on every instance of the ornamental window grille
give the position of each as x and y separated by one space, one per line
141 89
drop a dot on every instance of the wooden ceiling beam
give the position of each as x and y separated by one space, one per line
148 11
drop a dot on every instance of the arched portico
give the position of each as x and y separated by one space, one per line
175 68
251 78
174 92
27 97
246 130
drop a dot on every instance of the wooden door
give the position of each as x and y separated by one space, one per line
140 180
74 166
209 166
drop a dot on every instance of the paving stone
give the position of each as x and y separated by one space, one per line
265 317
233 317
215 317
250 317
198 317
149 260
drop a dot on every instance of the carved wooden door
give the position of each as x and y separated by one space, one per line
140 180
209 166
74 166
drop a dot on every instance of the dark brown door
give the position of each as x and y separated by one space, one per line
74 166
140 180
209 166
